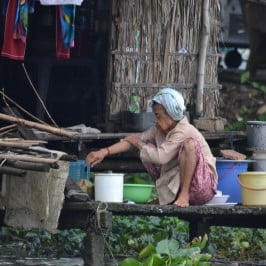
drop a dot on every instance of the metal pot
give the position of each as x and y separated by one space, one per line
256 135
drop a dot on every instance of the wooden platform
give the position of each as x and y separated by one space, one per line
96 219
75 214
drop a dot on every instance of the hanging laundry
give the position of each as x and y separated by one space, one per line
65 30
16 26
60 2
67 19
21 21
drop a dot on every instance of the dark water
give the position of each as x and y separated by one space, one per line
41 262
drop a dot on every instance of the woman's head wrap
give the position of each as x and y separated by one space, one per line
172 101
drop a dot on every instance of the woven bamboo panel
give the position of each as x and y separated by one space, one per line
156 43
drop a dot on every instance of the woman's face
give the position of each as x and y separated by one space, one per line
163 121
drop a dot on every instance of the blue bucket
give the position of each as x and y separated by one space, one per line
78 170
228 171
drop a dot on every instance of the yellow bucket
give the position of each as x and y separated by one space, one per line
253 187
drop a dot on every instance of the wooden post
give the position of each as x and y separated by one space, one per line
98 224
198 227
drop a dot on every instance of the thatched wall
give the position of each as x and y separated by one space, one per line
149 39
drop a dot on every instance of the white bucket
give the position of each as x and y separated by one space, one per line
260 161
109 187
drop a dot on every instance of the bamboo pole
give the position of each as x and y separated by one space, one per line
23 122
27 158
168 45
3 129
19 144
202 57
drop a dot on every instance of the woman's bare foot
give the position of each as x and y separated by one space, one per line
182 201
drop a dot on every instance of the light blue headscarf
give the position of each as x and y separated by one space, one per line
172 101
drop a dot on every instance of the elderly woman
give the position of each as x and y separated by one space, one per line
174 152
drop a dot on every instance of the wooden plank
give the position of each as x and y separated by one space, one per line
238 215
166 210
111 136
200 218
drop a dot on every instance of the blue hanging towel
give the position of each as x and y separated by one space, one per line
67 15
21 20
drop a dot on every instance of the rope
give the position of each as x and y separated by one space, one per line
102 207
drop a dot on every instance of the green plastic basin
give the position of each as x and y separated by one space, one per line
138 193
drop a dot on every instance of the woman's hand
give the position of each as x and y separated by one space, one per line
135 141
96 157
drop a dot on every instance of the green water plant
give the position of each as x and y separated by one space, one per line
245 79
169 252
131 233
40 243
237 243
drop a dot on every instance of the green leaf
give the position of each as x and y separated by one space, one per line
155 260
130 262
244 244
205 257
245 77
178 262
167 247
204 263
255 85
199 242
187 252
263 88
147 251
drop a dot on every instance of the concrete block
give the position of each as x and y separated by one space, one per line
210 124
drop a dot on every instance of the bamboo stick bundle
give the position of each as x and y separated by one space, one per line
20 121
